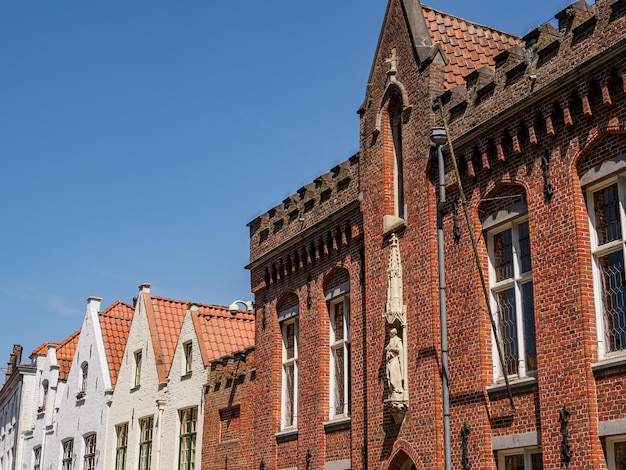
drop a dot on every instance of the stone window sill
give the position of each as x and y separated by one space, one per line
609 367
286 436
337 424
518 387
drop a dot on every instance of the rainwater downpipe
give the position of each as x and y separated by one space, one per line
439 137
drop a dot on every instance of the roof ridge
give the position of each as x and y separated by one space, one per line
187 302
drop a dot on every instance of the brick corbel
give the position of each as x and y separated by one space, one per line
549 125
567 114
499 149
532 135
469 154
484 154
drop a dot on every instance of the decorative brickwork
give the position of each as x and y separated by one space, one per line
537 128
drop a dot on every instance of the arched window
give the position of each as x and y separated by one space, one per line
85 376
90 452
395 118
45 385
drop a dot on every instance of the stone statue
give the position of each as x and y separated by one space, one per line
393 353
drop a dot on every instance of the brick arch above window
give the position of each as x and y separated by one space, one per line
335 279
501 203
287 302
395 91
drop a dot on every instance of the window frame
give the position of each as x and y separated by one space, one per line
610 449
289 418
188 419
335 298
121 445
514 283
68 454
84 368
599 251
146 429
527 452
138 356
187 357
89 459
37 458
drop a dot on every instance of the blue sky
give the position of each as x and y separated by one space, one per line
138 138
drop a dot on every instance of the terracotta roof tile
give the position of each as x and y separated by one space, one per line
115 323
65 354
41 350
481 43
224 333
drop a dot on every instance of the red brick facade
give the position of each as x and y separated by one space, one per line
535 123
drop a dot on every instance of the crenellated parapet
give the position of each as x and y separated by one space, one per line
302 212
563 75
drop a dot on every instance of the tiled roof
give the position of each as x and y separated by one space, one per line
467 46
41 350
168 319
223 333
219 332
65 354
115 323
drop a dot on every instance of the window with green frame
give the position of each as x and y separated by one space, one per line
187 448
145 442
121 432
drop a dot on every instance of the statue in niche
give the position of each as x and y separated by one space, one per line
393 353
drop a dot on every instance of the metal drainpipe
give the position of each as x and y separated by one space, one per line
439 137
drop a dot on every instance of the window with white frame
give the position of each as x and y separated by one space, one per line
188 353
616 453
187 446
289 327
339 312
606 215
520 459
145 442
90 452
37 458
512 298
138 358
121 447
68 454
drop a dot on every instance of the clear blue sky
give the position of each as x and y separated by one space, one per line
139 137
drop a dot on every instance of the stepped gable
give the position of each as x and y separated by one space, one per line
313 203
221 332
466 46
115 323
65 354
557 76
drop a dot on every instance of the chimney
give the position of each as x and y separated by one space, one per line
93 305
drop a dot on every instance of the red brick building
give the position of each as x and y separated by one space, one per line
345 272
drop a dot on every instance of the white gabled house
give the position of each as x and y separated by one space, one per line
17 400
52 362
156 414
79 440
